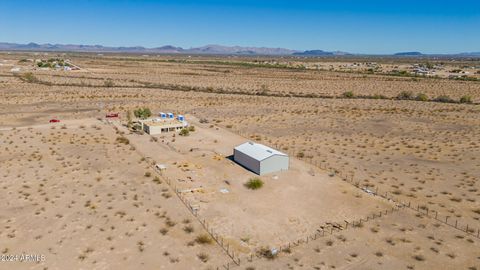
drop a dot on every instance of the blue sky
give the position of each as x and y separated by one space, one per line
347 25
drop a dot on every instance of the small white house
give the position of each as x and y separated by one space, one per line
260 158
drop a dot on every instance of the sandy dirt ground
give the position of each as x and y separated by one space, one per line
84 199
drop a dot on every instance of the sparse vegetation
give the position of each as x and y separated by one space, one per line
254 183
184 132
266 252
123 140
421 97
142 113
466 99
204 239
348 94
203 257
405 95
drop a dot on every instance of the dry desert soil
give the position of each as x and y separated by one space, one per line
377 179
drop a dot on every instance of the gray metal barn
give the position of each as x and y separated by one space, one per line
259 158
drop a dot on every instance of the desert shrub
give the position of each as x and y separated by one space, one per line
405 95
142 113
348 94
254 183
466 99
188 229
123 140
184 132
266 253
108 83
170 223
379 96
421 97
29 77
443 98
203 257
419 258
191 128
300 155
204 239
157 180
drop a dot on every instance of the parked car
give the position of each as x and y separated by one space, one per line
112 115
54 121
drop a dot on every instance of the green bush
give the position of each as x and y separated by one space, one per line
254 183
184 132
443 98
466 99
348 94
421 97
142 113
405 95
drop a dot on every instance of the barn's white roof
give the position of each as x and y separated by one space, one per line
258 151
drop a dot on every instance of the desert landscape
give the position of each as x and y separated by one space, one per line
384 162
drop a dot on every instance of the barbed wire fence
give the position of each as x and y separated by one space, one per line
421 209
219 240
324 230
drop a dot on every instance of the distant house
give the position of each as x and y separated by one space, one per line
260 159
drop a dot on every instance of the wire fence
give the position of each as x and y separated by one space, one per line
329 228
349 178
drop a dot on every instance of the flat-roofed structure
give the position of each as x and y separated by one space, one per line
260 158
159 125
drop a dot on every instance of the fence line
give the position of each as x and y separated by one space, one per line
323 231
349 178
216 237
423 210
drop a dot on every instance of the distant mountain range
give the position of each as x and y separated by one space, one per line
409 54
320 53
208 49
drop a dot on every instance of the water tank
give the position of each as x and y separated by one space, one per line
162 115
170 115
181 118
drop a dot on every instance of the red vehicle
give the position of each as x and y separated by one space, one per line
112 115
54 120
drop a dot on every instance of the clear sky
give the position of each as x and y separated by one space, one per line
355 26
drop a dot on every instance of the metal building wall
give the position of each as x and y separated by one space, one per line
246 161
273 164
